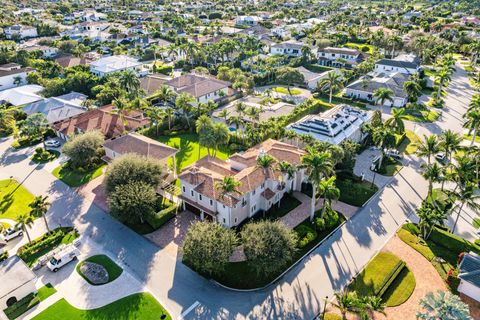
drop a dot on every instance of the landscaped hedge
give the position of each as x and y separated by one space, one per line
317 68
45 241
390 278
162 217
22 305
340 100
306 235
452 242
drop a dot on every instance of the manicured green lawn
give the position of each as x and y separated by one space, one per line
75 178
423 116
389 167
359 46
283 90
14 199
190 150
408 144
355 192
287 204
114 271
401 288
28 302
136 306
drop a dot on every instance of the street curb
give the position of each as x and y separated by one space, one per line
288 269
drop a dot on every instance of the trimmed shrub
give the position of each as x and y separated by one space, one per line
320 224
163 216
305 235
45 241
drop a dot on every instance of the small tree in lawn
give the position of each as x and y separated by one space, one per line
444 306
130 168
268 246
35 127
39 207
85 150
289 76
208 247
132 202
26 221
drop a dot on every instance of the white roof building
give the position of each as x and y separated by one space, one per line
335 125
21 95
113 64
58 108
17 281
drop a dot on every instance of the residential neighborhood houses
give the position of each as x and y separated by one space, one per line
245 160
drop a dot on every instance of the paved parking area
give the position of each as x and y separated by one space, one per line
95 192
362 167
170 236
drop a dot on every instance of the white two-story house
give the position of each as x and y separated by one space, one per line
259 188
13 75
406 64
290 48
112 64
20 32
202 88
339 57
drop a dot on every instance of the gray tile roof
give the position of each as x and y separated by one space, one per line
58 108
398 63
394 82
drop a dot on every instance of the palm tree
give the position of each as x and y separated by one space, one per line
265 161
384 138
317 166
223 114
286 168
130 82
427 147
374 303
383 95
430 214
184 103
157 115
394 41
396 121
154 49
170 113
472 123
240 108
227 186
432 173
332 83
442 76
164 94
465 196
39 207
413 90
328 191
345 302
121 107
450 143
236 120
26 220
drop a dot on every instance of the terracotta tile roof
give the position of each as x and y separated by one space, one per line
268 194
103 119
139 144
206 172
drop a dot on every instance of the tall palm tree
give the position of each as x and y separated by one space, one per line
384 138
235 120
345 301
183 102
328 191
164 94
394 41
265 161
39 207
121 108
26 220
472 123
450 143
442 76
240 108
332 83
430 214
396 121
383 95
157 115
466 196
227 186
170 113
427 147
129 81
432 173
223 114
412 89
318 165
287 169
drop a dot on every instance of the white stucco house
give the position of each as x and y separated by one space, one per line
364 89
20 32
339 57
48 52
407 64
259 188
202 88
112 64
469 274
247 20
13 75
291 48
17 281
335 125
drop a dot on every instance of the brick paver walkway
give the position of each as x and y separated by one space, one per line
95 191
300 213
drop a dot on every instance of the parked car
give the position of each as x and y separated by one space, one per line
394 154
52 143
63 257
12 233
375 163
441 157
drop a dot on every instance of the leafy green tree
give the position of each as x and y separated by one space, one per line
268 246
443 305
39 207
7 123
35 127
132 202
132 168
208 247
289 76
85 150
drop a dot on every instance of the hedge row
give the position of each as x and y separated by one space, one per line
22 305
391 277
43 242
162 217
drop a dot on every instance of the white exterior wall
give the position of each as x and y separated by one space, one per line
6 82
19 293
368 96
380 68
286 51
23 33
469 289
212 96
334 56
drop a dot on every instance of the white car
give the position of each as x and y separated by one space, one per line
441 157
63 257
12 233
52 143
394 154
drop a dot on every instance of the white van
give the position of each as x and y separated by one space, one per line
63 257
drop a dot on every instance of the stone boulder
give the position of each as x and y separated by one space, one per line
94 272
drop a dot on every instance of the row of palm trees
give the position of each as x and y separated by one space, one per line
38 208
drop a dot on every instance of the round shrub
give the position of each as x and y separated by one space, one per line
320 224
305 235
85 150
